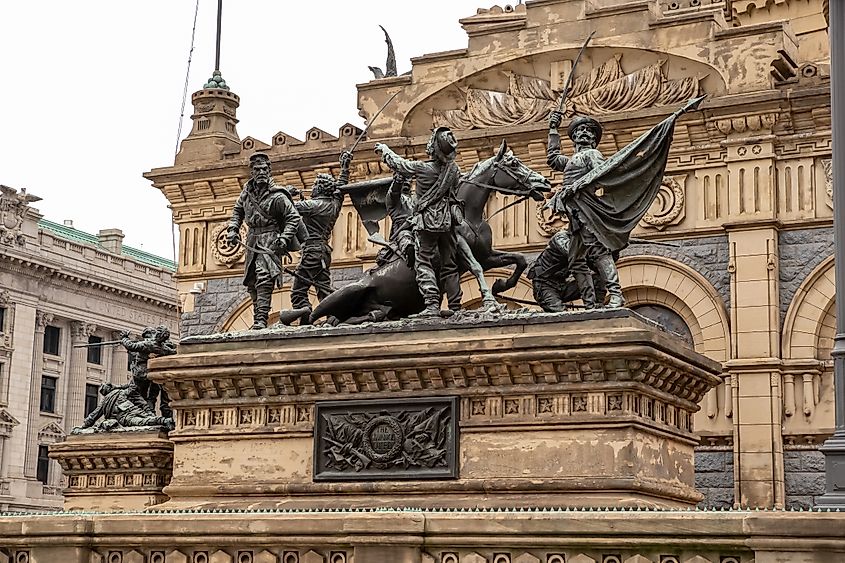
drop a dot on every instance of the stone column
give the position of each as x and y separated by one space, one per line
755 366
834 447
42 319
119 361
75 407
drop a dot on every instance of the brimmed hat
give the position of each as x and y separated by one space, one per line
585 120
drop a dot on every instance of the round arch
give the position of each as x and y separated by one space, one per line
239 315
662 281
809 324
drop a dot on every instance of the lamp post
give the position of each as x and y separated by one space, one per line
834 447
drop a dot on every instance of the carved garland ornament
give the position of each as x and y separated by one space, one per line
667 207
224 252
827 164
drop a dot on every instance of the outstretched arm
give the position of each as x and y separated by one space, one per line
402 166
554 159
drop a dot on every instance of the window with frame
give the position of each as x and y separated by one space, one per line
43 471
52 340
2 319
95 353
48 393
91 397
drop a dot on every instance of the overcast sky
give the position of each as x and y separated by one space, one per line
92 90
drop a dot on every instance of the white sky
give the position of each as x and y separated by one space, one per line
92 89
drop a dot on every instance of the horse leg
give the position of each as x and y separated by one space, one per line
499 259
487 299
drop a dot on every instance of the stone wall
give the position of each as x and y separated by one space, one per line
804 477
799 252
714 476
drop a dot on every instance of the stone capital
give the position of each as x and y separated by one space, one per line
42 319
80 330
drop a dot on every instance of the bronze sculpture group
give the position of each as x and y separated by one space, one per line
438 229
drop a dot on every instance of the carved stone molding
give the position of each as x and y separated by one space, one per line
42 319
668 207
827 165
747 123
7 423
5 297
80 330
223 251
127 466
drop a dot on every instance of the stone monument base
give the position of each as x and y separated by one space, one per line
522 410
115 471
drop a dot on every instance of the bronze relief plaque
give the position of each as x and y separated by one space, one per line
386 439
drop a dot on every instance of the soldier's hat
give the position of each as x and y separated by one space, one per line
585 120
258 155
443 141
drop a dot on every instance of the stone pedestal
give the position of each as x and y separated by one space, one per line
114 471
577 409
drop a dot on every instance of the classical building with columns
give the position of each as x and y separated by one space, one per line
61 288
744 269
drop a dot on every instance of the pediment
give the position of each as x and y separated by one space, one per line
51 432
7 422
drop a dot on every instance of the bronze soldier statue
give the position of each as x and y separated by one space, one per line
154 342
399 208
549 275
319 214
122 407
585 250
273 224
436 213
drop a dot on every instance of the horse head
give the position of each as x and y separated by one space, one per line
508 174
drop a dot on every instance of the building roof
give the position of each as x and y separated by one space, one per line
70 233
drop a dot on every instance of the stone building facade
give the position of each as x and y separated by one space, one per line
746 203
61 288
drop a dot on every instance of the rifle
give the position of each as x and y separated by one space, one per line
95 344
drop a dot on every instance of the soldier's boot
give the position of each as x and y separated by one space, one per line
587 290
290 316
261 306
431 310
610 276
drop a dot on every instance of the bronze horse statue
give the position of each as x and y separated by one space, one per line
390 291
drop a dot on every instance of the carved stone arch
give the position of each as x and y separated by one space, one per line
493 74
662 281
809 324
472 296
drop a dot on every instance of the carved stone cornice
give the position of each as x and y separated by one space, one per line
557 353
42 319
115 463
80 330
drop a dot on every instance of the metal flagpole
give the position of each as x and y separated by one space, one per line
219 27
834 447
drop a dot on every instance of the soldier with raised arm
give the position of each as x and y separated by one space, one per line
585 250
436 213
273 224
154 342
319 214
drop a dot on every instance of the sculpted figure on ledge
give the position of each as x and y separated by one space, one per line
319 215
603 199
273 224
390 290
122 408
